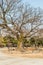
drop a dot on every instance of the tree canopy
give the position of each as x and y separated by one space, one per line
15 17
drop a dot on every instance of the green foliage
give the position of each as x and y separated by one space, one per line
32 41
26 43
9 39
39 42
35 42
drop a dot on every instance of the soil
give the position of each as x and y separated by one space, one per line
29 52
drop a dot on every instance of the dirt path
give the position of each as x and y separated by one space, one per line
8 60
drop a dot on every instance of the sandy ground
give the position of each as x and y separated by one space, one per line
18 58
30 53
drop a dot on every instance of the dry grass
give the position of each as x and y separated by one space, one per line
30 53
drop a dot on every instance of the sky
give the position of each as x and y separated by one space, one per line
35 3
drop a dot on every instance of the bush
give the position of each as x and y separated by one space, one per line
39 42
14 43
32 41
26 43
10 40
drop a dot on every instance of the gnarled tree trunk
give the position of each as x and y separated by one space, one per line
20 43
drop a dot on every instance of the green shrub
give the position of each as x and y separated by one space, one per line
9 39
26 43
32 41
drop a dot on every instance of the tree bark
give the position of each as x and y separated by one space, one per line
20 43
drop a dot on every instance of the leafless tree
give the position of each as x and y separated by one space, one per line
16 17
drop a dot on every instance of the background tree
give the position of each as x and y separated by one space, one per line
16 17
